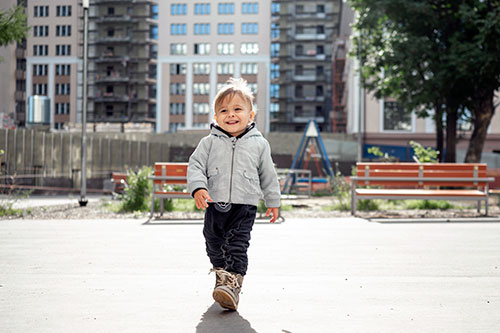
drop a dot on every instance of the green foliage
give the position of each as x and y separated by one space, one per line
13 26
424 155
367 205
6 205
375 150
342 191
429 204
137 194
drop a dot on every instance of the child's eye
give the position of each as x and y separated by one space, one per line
222 111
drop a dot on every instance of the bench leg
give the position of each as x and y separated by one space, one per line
162 201
152 206
479 206
353 203
486 206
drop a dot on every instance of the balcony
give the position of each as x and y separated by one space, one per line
115 19
110 97
114 77
114 39
20 96
309 36
20 74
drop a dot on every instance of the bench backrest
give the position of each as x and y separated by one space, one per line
424 174
178 172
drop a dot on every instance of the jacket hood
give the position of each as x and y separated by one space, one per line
250 131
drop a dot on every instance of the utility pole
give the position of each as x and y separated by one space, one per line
83 188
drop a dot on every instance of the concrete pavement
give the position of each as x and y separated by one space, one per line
317 275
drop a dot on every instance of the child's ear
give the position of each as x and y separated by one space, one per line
252 115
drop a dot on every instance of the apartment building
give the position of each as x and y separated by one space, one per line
13 73
303 36
122 62
53 57
203 44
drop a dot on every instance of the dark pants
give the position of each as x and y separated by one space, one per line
227 236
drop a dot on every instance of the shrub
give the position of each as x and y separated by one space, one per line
137 194
429 204
367 205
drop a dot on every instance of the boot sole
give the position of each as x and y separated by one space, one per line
224 299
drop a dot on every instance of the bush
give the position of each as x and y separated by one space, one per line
137 194
367 205
429 204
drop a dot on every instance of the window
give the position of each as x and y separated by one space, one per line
40 31
178 49
178 29
200 125
174 127
320 49
202 48
201 88
178 9
111 11
62 88
202 28
299 69
275 91
226 8
63 69
225 48
275 50
274 107
299 50
201 9
249 48
40 89
320 8
201 68
250 8
201 108
275 31
396 117
177 108
63 50
59 126
275 8
63 10
319 91
225 28
226 68
40 70
154 12
177 88
63 30
153 32
299 91
275 71
111 32
253 87
41 11
62 108
177 69
40 50
249 68
320 29
249 28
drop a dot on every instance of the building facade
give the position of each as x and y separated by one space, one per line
303 54
122 62
201 46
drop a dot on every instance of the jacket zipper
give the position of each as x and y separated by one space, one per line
232 163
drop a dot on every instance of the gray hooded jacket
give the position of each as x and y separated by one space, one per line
234 169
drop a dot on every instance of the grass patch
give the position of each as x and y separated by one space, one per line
429 204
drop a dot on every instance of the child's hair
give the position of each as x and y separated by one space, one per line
235 86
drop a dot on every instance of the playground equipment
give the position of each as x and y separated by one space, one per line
311 147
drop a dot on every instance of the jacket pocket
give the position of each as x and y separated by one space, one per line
212 176
253 181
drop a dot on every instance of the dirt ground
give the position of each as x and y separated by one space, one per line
313 207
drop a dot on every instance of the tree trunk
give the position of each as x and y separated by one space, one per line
483 112
451 135
439 132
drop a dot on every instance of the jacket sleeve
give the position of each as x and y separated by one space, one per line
268 178
197 168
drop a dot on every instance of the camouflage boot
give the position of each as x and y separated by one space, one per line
228 293
220 276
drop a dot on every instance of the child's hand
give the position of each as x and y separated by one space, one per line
274 211
200 199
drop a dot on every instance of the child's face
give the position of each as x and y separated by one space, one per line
234 114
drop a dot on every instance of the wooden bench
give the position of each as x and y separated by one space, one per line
460 181
166 177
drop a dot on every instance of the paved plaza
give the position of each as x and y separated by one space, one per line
305 275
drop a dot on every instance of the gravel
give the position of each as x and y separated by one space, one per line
296 208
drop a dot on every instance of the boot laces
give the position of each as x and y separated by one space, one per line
230 279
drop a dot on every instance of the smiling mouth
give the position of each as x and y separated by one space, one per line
232 122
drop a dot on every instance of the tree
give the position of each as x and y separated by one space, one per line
414 51
13 25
